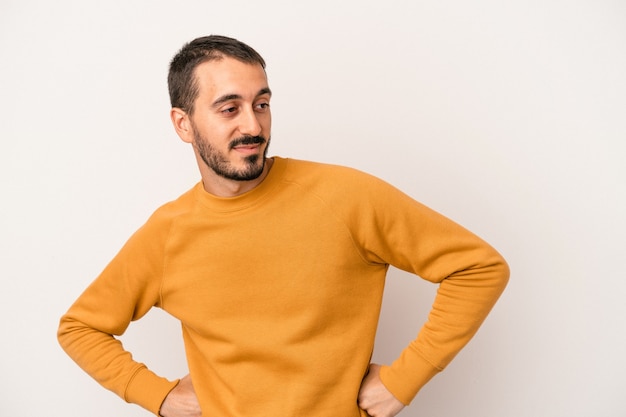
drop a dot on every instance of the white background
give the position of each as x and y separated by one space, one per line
507 116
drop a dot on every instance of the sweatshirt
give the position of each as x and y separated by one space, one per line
278 293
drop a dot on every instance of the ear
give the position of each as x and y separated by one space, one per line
182 124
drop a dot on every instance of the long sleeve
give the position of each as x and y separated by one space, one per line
282 287
125 291
463 300
392 228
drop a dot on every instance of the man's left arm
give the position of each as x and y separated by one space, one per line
395 229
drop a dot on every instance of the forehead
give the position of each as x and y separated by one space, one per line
229 76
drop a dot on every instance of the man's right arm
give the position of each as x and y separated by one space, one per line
102 356
125 291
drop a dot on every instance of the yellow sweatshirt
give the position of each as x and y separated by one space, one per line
278 292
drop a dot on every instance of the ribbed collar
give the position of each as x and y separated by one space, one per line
248 199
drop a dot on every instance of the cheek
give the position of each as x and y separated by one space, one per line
266 122
218 132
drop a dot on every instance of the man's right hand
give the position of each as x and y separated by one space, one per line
181 401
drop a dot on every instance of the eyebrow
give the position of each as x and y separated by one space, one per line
228 97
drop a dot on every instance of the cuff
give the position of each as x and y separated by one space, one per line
148 390
407 375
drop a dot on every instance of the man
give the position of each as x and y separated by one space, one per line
275 269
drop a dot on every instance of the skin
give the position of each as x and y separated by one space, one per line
233 103
375 398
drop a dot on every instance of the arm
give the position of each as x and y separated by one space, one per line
464 298
102 356
392 228
125 291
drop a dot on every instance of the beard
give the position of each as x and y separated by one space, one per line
220 164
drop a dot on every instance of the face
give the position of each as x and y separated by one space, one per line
231 121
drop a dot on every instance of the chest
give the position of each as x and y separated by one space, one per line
274 262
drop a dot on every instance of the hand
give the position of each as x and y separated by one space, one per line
375 398
181 401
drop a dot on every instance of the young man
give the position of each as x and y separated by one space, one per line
275 269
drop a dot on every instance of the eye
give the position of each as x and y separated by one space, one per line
229 110
262 106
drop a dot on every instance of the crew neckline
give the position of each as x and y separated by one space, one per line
247 199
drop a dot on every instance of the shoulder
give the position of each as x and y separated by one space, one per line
328 175
344 190
336 181
161 220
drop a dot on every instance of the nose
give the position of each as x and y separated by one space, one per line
249 123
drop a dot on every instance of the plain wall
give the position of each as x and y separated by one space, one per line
508 117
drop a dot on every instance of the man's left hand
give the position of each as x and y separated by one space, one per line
375 398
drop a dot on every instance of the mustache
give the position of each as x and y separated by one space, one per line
247 140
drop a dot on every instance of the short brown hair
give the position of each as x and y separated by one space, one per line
181 79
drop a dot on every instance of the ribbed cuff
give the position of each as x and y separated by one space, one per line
148 390
407 375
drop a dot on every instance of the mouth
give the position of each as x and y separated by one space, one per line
247 149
